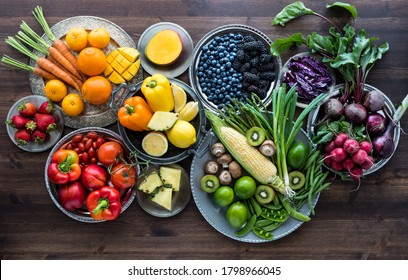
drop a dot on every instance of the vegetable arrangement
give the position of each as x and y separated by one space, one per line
91 172
357 115
277 174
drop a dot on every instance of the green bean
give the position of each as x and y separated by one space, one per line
311 159
247 228
262 233
255 205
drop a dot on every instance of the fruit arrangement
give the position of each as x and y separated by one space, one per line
163 112
77 71
92 173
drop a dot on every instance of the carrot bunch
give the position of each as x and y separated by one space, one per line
58 61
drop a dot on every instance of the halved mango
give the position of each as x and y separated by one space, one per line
164 47
123 64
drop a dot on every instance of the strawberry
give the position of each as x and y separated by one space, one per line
22 136
45 122
38 136
31 125
46 107
27 109
17 121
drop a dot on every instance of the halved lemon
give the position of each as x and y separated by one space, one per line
155 143
179 96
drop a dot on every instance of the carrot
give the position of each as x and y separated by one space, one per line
56 42
44 63
51 51
11 62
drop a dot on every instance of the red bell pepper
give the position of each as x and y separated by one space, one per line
64 167
104 204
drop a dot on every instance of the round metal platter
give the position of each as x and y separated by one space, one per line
93 115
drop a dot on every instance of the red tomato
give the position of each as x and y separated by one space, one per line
110 153
123 176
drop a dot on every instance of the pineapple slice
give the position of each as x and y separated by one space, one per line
162 196
162 121
150 184
123 64
171 176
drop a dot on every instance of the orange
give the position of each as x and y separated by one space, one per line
77 38
99 38
96 90
72 105
55 90
91 61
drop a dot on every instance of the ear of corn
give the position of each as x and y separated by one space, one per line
256 164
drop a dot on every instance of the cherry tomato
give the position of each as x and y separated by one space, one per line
123 176
245 187
224 196
237 214
110 153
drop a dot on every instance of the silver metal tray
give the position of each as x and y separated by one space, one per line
180 65
93 115
215 215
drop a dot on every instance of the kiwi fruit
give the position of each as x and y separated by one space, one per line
209 183
264 194
255 136
296 180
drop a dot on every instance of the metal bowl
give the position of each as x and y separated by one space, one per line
316 113
133 139
220 31
54 136
82 214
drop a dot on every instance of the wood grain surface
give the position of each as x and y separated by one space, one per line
371 223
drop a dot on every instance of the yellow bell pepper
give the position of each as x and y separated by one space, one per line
157 91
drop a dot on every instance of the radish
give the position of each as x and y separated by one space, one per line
368 163
327 160
329 146
340 139
351 146
366 146
338 155
348 164
360 156
336 166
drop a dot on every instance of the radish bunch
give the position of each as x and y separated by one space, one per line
347 154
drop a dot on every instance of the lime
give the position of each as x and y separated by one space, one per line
245 187
180 97
237 214
155 143
224 196
189 112
182 134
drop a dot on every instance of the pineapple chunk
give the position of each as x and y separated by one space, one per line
162 196
150 184
123 64
162 121
171 176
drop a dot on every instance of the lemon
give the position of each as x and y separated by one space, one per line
182 134
189 112
155 144
179 96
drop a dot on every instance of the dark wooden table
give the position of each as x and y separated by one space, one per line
369 224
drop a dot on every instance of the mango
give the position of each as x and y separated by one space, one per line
123 64
164 48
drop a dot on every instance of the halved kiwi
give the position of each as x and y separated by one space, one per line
209 183
264 194
255 136
296 180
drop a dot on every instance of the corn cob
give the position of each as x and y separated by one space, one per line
256 164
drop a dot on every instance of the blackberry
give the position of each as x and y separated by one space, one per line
266 67
251 46
251 78
245 85
252 89
236 64
263 83
248 38
245 67
265 58
254 71
240 55
269 76
254 62
253 54
247 57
